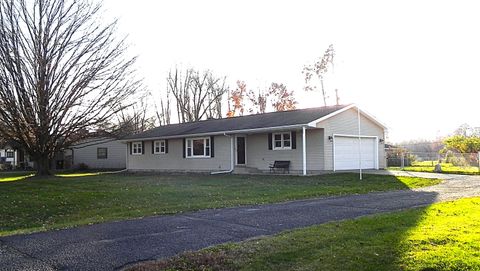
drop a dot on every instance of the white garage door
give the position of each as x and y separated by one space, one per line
346 154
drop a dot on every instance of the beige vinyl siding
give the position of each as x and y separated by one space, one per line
88 155
259 156
174 161
347 123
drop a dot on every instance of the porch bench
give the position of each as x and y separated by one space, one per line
285 165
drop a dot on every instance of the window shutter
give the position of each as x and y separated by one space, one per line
269 141
153 147
294 139
130 144
212 146
166 146
143 147
184 147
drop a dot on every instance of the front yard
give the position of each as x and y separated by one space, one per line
29 204
441 237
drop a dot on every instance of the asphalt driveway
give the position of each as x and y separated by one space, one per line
113 245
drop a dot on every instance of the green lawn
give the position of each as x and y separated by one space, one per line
36 204
442 237
426 166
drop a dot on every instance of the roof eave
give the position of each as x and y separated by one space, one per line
239 131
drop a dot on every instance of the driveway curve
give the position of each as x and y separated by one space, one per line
113 245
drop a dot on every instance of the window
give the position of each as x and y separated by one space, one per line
282 141
198 147
10 154
159 147
137 148
102 153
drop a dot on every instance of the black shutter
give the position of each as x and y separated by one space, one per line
184 146
212 146
153 147
294 140
130 145
269 141
166 145
143 147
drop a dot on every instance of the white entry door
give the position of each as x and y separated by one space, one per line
347 155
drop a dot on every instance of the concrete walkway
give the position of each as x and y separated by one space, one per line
110 246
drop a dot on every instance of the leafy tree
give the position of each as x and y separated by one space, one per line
237 98
61 73
462 144
277 95
281 98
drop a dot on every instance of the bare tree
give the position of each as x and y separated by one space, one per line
197 95
258 101
319 68
61 72
217 90
164 115
134 119
179 85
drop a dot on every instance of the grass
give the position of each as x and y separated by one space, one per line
426 166
442 237
38 204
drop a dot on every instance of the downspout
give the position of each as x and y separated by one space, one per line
127 153
232 157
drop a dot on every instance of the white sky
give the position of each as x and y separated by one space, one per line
412 64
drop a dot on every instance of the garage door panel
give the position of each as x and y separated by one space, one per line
347 154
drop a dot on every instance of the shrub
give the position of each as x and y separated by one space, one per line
82 166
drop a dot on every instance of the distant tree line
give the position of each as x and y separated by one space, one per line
465 139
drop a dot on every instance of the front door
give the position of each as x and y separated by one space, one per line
241 150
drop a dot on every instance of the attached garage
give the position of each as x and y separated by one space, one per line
349 151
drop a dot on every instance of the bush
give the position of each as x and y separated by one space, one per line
461 160
82 166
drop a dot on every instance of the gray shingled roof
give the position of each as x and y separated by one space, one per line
266 120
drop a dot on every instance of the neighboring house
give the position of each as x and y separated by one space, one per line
12 156
97 153
8 156
313 140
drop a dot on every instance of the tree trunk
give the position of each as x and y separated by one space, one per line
42 165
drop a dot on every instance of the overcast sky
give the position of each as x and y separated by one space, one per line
412 64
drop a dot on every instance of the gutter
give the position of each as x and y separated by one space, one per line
232 166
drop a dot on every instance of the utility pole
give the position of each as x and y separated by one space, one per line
337 97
